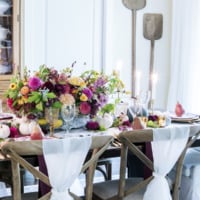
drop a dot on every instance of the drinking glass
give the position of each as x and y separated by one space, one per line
135 108
68 114
51 115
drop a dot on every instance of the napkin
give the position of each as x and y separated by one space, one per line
64 159
167 145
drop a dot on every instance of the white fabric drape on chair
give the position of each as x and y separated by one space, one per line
64 159
168 143
185 55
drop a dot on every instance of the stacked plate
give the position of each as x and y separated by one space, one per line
186 118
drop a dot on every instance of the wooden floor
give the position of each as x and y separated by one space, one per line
31 184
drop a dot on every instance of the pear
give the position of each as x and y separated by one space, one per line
37 133
179 110
137 124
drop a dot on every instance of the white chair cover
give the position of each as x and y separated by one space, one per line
190 181
167 145
64 159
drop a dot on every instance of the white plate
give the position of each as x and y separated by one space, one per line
187 118
6 116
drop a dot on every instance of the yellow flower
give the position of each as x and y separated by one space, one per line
77 81
42 122
83 97
25 99
20 101
13 86
58 123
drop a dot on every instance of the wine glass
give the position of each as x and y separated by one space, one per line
68 114
135 108
51 115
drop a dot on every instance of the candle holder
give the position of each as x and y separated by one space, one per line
151 106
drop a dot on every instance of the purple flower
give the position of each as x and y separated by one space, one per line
34 83
59 89
92 125
99 82
103 99
94 108
48 85
88 93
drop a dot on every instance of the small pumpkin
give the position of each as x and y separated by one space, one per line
26 126
4 131
105 121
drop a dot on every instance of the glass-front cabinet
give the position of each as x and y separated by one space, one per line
9 42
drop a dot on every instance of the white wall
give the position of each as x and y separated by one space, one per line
57 34
119 45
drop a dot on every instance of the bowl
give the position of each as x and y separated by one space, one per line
4 69
3 33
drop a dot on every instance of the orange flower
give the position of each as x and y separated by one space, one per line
24 90
67 99
74 91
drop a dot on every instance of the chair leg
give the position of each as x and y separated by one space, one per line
108 168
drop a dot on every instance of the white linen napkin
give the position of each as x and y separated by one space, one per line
64 159
167 145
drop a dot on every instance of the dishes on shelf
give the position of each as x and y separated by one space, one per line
3 33
4 6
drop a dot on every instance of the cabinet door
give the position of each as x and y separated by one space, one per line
9 42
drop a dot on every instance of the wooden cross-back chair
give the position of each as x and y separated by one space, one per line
134 188
16 150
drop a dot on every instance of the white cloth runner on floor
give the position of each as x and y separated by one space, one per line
167 145
64 159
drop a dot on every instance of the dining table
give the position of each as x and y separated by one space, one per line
114 149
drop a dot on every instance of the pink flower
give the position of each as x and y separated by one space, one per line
34 83
14 132
85 108
9 103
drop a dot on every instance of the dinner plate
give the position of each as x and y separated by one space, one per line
186 118
4 116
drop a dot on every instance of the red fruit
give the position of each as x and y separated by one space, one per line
137 124
179 110
36 134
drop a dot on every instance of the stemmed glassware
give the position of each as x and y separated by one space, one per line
51 115
68 113
136 108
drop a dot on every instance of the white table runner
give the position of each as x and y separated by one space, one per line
64 159
167 145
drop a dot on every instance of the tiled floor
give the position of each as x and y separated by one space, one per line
31 184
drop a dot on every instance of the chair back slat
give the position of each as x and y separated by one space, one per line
15 150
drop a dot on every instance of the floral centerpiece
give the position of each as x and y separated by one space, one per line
30 94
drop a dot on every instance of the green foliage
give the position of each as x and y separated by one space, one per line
108 108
